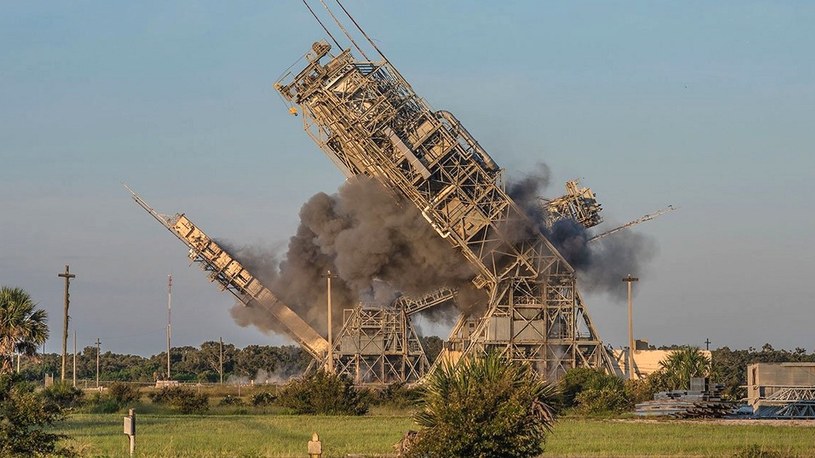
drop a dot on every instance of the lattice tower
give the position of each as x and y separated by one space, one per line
368 120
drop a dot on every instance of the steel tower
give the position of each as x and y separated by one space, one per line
366 117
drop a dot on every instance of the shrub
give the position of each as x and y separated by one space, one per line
263 398
640 390
101 404
593 392
181 399
397 395
594 401
322 393
230 400
123 393
25 419
484 406
64 395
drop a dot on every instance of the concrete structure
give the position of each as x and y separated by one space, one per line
781 390
646 362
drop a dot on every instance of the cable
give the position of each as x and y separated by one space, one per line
362 31
337 21
322 25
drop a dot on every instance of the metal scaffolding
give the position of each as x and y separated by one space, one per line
578 204
378 345
368 120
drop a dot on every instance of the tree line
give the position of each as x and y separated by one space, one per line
280 363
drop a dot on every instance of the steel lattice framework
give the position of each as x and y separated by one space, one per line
788 402
378 345
370 122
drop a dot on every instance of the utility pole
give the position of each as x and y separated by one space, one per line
707 344
67 276
221 359
74 372
328 276
629 280
169 319
98 343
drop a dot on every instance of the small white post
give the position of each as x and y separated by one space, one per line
130 429
315 447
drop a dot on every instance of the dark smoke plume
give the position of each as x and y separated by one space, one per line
601 264
378 247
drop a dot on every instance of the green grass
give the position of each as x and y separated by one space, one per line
372 435
234 435
607 438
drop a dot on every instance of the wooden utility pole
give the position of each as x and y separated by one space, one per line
221 359
67 276
169 319
629 280
98 343
330 367
74 371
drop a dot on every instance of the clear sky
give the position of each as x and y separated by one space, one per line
709 106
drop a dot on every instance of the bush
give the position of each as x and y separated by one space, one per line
25 419
593 401
396 395
324 394
64 395
483 407
594 392
123 393
263 398
181 399
640 390
101 404
230 400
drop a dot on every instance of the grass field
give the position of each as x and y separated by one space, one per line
374 435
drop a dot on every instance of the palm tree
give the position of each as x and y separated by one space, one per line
484 406
22 327
678 368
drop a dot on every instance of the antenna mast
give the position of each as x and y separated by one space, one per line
169 319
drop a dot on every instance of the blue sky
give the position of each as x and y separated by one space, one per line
708 106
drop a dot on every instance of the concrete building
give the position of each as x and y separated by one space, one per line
782 390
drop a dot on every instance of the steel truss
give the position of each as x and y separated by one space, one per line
232 276
378 345
789 402
369 121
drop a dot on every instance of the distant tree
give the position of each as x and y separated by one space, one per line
23 328
483 407
432 345
729 367
682 364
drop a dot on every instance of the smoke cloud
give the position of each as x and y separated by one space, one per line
600 264
376 245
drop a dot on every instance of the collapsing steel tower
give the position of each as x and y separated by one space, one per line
369 121
232 276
